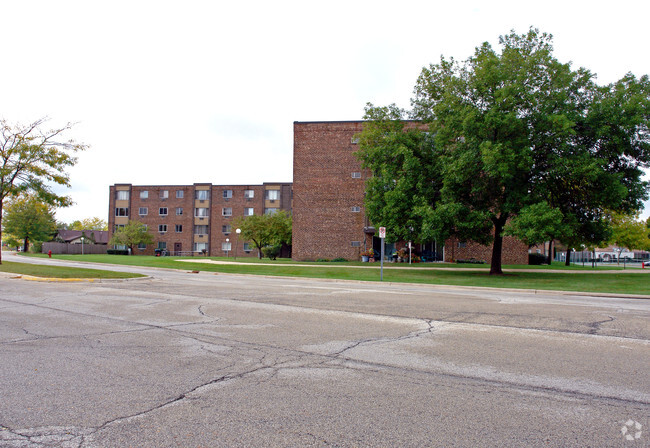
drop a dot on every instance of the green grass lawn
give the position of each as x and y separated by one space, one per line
61 271
622 283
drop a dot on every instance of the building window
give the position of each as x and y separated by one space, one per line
122 195
180 194
226 228
162 245
355 243
270 211
179 228
248 211
200 247
356 175
354 140
122 211
249 194
162 228
462 244
227 194
247 247
144 195
272 195
142 246
226 246
226 211
201 195
355 209
143 211
179 211
164 194
200 230
201 212
118 227
162 211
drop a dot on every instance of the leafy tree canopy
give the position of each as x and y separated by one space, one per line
518 136
28 220
94 223
32 159
628 232
132 234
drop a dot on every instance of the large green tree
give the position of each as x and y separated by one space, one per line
28 220
517 128
33 159
266 230
405 180
132 234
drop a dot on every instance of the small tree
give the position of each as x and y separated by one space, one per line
32 159
266 230
628 232
130 235
29 220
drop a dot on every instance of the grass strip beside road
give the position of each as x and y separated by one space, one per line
619 283
39 270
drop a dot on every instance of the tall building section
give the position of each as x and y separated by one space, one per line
329 219
328 191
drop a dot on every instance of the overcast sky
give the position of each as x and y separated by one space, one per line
207 91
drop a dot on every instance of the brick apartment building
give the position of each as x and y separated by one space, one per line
326 200
329 220
186 219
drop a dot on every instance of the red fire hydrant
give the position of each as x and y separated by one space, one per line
49 253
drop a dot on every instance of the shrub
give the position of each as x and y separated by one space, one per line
471 261
322 260
272 252
537 259
339 259
117 252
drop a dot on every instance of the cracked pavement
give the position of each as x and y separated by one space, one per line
206 360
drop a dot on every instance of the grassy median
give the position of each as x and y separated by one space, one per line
619 282
37 270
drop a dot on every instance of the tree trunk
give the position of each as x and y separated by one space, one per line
26 245
550 253
497 247
567 262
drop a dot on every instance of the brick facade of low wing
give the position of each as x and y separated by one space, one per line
187 219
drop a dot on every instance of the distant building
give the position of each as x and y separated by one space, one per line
74 236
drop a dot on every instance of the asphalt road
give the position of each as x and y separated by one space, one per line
216 360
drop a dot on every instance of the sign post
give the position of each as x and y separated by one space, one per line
382 235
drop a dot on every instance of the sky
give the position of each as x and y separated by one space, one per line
207 91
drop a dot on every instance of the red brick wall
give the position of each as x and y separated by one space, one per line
324 191
513 252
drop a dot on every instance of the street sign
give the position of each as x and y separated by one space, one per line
382 232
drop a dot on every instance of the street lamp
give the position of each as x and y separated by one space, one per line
227 246
238 231
82 245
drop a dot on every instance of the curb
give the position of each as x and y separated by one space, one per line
32 278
